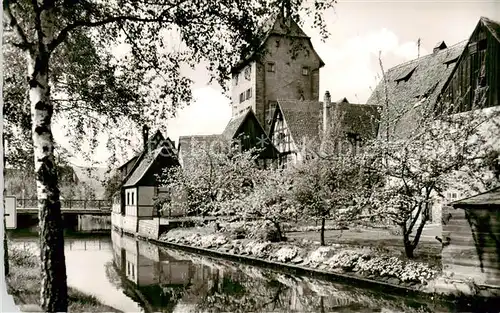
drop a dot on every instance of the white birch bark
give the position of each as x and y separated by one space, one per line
53 294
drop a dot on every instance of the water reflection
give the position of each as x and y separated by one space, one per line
165 280
88 263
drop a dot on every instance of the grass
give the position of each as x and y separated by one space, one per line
23 284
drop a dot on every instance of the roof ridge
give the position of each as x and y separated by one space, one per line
476 195
491 25
485 18
427 56
191 136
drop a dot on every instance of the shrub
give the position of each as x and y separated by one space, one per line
238 233
286 254
264 231
319 255
345 260
22 257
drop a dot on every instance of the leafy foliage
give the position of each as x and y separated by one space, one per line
441 153
73 74
127 61
271 199
218 178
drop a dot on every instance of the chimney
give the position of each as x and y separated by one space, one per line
327 103
145 136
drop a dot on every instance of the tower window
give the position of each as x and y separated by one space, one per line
249 93
248 72
236 79
271 67
305 70
242 97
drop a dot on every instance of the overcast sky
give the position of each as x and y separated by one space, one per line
359 29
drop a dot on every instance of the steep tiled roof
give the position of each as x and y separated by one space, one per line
275 26
493 27
491 197
188 144
359 119
146 162
233 126
302 118
408 83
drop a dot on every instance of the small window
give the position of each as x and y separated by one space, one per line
405 76
271 67
236 79
242 97
280 138
277 43
249 93
132 195
482 45
128 198
450 61
305 70
248 72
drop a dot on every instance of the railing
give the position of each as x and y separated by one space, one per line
76 204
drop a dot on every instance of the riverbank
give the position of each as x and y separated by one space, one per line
370 266
23 284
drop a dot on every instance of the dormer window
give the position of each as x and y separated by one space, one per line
305 70
405 76
450 61
271 67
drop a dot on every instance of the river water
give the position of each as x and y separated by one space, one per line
136 276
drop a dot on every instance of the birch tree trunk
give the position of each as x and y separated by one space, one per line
5 249
5 238
53 294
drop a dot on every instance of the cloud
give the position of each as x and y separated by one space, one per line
208 114
352 68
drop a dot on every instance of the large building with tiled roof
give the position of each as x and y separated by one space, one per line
454 79
404 86
243 130
459 78
298 127
284 66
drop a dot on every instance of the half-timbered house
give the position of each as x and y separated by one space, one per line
134 210
300 127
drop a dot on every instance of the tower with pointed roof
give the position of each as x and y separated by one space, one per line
284 66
